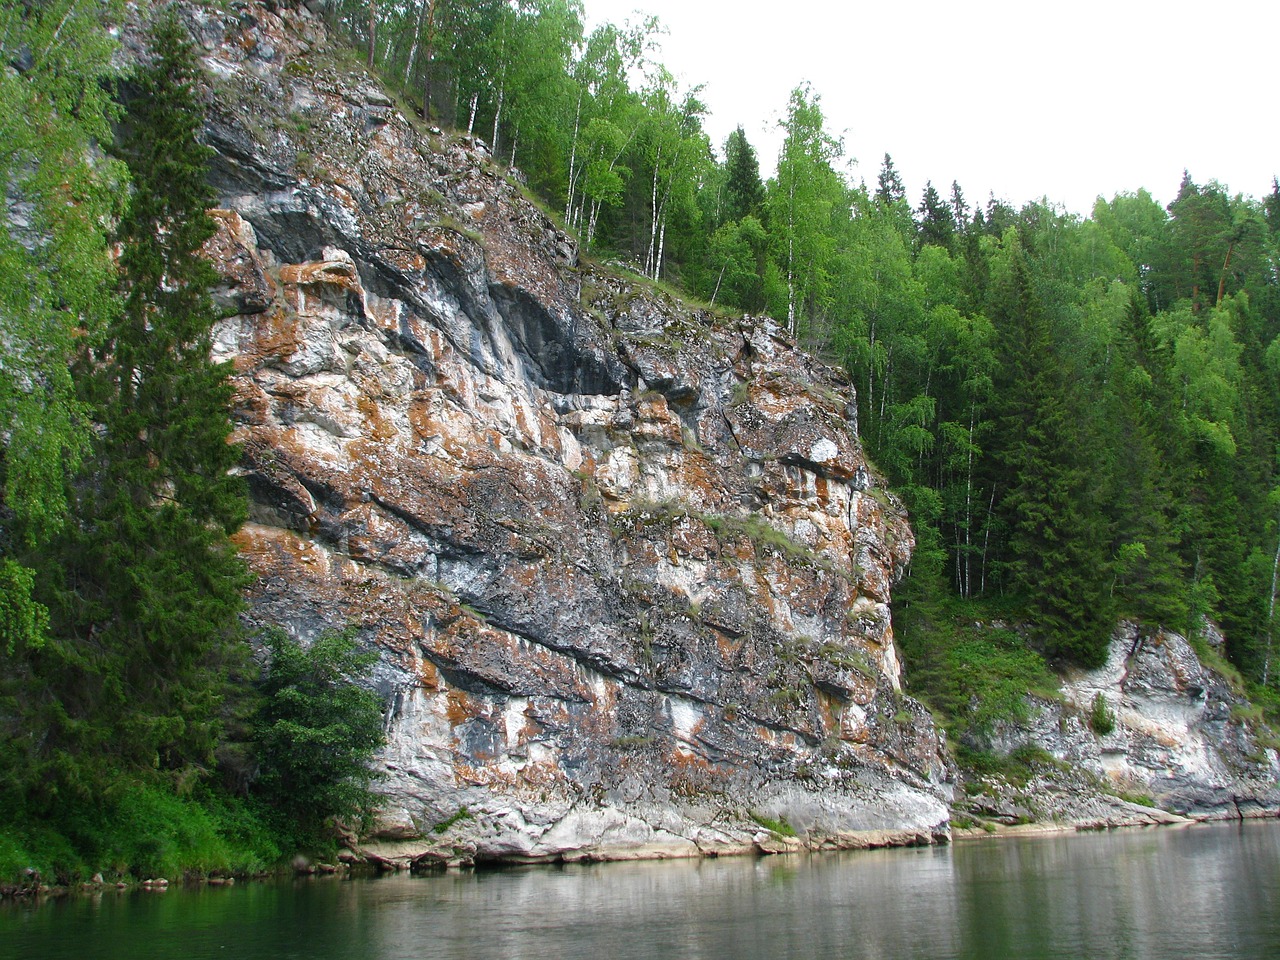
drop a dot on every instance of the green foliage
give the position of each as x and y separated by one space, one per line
780 826
1081 414
143 588
461 814
24 621
55 265
317 729
744 194
138 832
1102 719
975 674
806 201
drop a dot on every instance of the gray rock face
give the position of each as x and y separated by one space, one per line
626 566
1179 737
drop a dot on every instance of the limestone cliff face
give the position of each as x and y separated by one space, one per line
624 561
1179 737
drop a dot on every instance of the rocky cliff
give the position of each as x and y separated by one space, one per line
1152 736
625 564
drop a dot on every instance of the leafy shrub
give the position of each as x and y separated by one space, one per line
317 731
1102 719
974 674
138 831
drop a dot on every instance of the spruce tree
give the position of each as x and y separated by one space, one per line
744 190
1056 540
889 189
146 617
1149 579
937 222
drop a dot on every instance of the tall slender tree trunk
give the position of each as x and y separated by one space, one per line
502 94
1222 280
373 31
1271 615
871 376
591 222
430 7
716 291
662 244
791 252
573 156
412 59
650 256
884 391
497 117
968 512
986 542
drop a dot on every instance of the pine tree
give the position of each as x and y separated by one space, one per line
744 190
1056 538
145 619
937 222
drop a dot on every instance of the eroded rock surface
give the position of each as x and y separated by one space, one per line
1168 731
624 561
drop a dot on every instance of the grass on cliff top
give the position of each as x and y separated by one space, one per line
973 674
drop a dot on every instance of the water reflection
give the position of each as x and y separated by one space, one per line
1206 892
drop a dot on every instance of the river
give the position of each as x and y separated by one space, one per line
1204 892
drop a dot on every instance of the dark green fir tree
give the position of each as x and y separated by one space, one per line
937 222
145 620
1057 535
744 190
1149 578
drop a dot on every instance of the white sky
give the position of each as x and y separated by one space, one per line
1064 99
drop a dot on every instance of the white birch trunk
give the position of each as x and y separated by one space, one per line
573 156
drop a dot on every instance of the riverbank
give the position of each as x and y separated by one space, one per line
366 860
1022 897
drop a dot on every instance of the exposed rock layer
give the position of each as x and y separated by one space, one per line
625 563
1152 724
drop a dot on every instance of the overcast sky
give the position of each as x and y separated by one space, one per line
1066 100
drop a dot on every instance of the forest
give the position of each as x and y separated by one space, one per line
1082 414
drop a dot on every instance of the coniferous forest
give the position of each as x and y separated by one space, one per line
1082 414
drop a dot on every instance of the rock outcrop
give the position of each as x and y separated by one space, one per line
1153 724
625 564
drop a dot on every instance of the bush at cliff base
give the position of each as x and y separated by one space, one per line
141 832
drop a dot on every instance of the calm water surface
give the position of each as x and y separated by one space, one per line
1203 893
